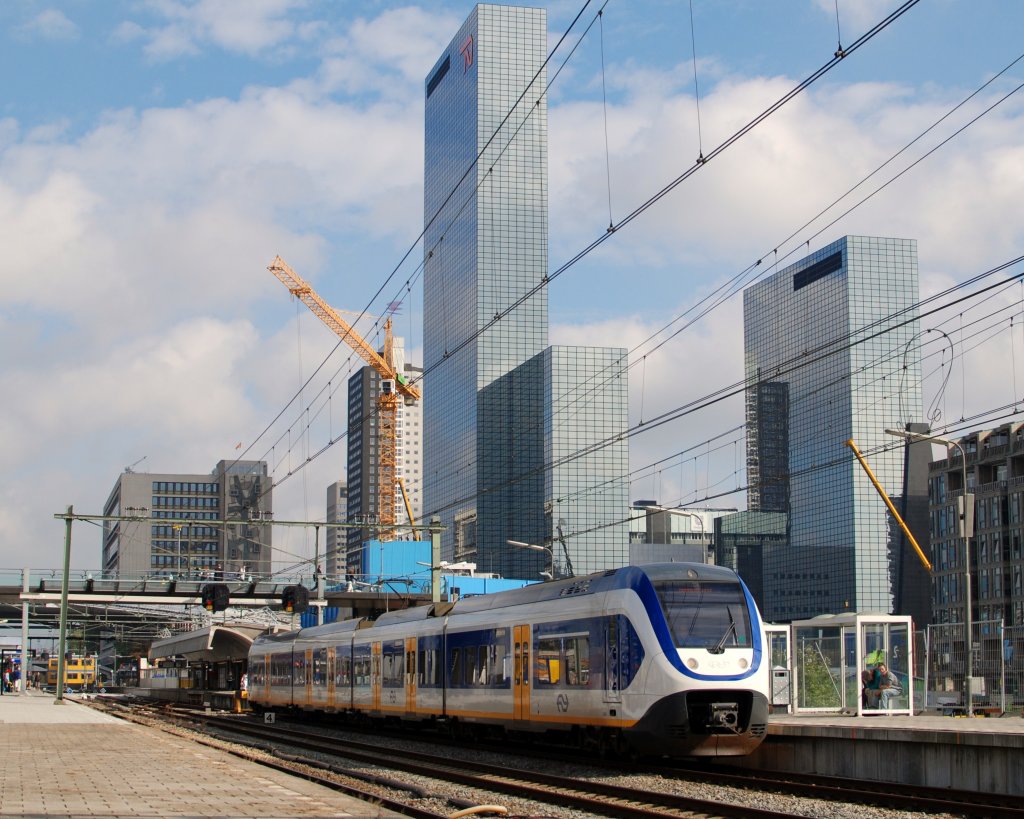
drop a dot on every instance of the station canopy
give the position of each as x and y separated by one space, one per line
218 643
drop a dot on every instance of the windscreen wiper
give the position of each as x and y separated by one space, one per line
720 645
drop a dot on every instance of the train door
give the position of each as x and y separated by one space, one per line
410 675
330 677
521 672
308 670
614 652
375 674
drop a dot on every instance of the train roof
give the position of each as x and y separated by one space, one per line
623 578
627 577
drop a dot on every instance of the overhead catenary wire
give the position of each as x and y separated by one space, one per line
838 346
661 193
433 217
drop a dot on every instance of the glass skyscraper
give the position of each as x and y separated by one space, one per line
831 354
488 374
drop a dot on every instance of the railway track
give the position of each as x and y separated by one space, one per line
596 798
613 800
862 791
889 795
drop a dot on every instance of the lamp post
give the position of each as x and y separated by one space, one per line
534 547
703 531
966 531
177 528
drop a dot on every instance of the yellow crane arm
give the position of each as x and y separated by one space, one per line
408 507
892 509
329 316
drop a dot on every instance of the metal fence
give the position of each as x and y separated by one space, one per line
997 667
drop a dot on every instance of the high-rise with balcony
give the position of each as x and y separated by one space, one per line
832 355
501 408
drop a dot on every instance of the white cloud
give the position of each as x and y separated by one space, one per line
249 28
134 302
856 18
745 202
50 24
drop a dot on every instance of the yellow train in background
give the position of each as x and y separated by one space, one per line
79 672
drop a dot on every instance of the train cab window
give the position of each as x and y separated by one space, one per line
705 614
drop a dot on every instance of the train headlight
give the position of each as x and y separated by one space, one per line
743 662
691 664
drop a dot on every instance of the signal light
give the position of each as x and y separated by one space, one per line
295 599
215 596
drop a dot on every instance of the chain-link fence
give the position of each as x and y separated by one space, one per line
997 668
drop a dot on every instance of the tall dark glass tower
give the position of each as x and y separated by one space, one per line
487 426
832 354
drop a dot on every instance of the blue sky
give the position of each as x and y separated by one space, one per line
156 155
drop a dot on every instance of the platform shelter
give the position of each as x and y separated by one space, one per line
830 652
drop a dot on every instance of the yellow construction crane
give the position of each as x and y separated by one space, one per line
394 386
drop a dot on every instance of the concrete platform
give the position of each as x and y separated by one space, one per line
981 754
70 760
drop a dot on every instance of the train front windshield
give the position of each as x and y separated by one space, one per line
702 614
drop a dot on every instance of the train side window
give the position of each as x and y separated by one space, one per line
320 667
471 664
455 667
548 663
482 667
393 670
497 665
435 667
421 676
577 661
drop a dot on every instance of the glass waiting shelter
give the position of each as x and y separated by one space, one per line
831 653
779 655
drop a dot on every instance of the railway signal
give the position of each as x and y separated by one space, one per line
215 596
295 599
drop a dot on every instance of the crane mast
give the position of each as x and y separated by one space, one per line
395 386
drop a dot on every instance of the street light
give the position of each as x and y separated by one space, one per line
965 504
703 532
534 547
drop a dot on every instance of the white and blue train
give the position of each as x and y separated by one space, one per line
665 659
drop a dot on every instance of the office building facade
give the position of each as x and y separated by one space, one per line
831 355
184 527
336 538
363 467
995 474
495 391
